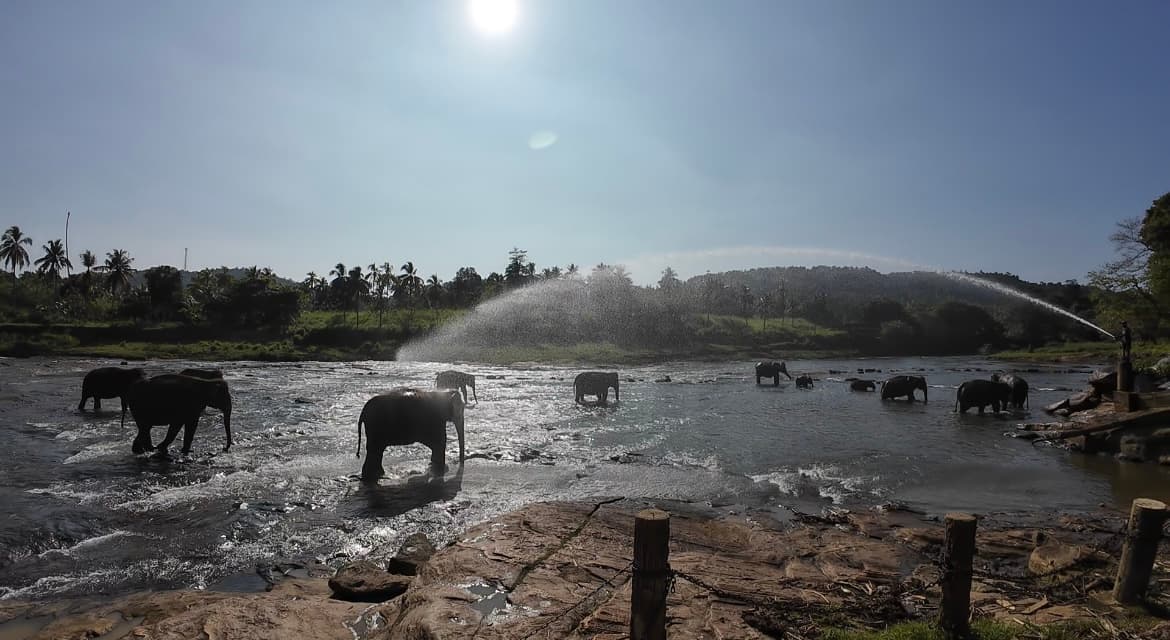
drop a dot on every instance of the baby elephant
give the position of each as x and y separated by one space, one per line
862 385
804 382
107 382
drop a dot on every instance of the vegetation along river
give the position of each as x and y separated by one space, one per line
82 514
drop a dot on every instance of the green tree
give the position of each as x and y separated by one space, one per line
434 291
467 287
519 271
164 289
876 312
669 280
12 250
54 260
409 286
118 270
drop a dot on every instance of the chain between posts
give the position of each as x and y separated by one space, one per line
606 583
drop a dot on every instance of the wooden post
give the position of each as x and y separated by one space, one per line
651 575
1125 376
1137 554
954 613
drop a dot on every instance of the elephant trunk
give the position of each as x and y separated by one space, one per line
924 400
617 393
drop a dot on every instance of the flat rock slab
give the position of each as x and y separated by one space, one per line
562 570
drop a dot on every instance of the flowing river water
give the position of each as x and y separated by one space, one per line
83 515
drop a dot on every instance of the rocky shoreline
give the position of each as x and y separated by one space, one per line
561 570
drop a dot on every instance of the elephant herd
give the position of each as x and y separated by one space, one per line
172 400
398 417
1000 392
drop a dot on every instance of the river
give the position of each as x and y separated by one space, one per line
84 515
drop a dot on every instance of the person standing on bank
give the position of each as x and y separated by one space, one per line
1126 340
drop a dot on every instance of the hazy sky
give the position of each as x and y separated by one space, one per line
997 135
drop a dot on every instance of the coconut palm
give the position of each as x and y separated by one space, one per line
409 284
357 287
54 260
11 250
88 260
434 291
118 270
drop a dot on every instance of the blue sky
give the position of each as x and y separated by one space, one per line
1000 135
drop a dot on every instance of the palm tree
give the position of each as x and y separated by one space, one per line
117 269
384 282
88 260
434 291
409 284
357 287
54 260
11 251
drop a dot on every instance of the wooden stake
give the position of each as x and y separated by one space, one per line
651 575
958 553
1141 546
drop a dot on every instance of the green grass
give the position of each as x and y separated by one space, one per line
398 320
1144 354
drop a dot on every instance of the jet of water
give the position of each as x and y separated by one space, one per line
970 279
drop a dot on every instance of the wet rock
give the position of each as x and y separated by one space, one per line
626 458
1103 383
494 377
663 379
413 554
630 380
364 581
300 400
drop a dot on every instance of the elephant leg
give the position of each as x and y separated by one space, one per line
372 467
439 454
97 404
189 435
142 441
81 405
757 378
776 380
172 432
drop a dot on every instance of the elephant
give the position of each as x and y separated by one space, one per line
406 416
862 385
206 374
451 379
1019 386
804 382
772 370
176 401
899 386
596 383
980 393
107 382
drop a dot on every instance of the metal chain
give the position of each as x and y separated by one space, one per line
604 584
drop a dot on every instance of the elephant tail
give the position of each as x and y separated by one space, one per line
361 420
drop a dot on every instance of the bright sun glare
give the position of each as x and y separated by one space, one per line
493 16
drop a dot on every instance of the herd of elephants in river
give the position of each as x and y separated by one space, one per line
408 415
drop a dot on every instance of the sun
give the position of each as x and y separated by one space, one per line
493 16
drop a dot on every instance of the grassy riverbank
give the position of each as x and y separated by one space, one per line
1144 354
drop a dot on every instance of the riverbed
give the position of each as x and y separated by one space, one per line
84 515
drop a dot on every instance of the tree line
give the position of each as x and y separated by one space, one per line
808 307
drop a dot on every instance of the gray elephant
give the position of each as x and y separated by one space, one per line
406 416
772 370
862 385
980 393
1019 387
804 382
206 374
452 379
596 383
176 401
107 382
899 386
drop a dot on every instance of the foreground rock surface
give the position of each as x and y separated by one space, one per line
562 570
